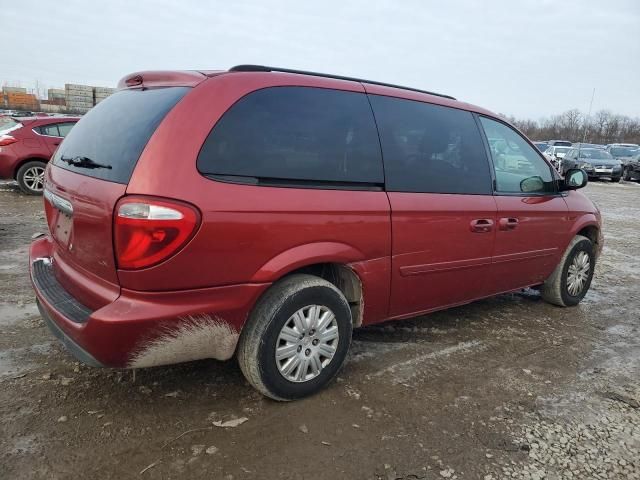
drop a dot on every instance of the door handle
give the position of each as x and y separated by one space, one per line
508 223
481 225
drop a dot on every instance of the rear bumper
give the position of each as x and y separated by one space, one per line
142 329
75 349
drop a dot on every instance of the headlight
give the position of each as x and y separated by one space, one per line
586 166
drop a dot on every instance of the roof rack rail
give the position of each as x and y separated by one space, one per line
263 68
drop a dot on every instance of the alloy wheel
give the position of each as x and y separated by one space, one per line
33 178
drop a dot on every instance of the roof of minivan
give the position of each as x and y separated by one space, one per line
371 86
191 78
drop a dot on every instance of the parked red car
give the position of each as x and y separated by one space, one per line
265 213
26 145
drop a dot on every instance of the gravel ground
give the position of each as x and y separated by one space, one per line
508 387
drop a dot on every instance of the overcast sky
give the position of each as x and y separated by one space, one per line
529 58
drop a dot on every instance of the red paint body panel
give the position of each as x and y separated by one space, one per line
115 331
86 249
434 249
527 254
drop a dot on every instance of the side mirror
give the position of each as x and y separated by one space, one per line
532 184
574 178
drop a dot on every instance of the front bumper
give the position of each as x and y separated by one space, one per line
606 174
142 329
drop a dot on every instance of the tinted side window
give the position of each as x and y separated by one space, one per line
51 130
515 160
296 133
65 128
430 148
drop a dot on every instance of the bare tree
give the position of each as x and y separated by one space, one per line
603 127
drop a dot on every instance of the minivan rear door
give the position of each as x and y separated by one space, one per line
438 181
88 174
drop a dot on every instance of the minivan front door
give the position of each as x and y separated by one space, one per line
533 223
443 214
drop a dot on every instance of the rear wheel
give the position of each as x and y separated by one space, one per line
571 279
30 177
296 338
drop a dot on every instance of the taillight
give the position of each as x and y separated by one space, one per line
148 231
7 140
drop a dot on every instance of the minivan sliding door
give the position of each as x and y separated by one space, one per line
443 213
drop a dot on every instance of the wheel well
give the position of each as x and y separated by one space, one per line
591 233
345 279
22 162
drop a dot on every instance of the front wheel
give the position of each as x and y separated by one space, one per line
296 338
30 177
615 179
627 175
571 279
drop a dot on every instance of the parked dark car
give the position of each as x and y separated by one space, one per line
623 151
26 145
589 145
559 143
265 213
595 161
632 168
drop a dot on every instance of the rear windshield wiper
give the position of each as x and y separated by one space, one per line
84 162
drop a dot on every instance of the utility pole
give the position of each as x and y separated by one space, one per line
586 122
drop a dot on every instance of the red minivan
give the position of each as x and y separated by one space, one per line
266 212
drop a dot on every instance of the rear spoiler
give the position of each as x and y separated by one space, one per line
161 78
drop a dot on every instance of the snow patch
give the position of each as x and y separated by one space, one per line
406 370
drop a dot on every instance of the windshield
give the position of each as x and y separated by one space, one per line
594 153
623 151
562 143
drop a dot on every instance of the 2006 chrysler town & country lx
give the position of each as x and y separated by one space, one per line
266 212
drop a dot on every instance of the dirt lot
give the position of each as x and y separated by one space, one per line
507 387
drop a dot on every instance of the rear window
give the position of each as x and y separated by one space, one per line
8 124
296 133
108 141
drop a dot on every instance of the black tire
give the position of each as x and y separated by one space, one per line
24 174
615 179
627 175
555 289
259 338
